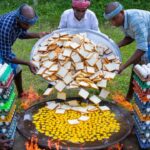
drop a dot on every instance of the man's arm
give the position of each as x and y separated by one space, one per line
63 21
22 62
127 40
30 35
134 59
141 36
95 23
4 143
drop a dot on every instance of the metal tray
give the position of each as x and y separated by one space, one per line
96 37
27 128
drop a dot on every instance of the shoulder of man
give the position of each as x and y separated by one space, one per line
134 15
90 13
8 18
68 11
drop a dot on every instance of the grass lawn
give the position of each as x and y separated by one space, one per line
49 18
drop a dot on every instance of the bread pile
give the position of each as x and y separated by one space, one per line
75 61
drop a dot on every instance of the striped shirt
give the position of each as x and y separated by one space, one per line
137 26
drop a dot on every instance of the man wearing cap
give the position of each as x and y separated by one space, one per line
79 16
136 27
14 25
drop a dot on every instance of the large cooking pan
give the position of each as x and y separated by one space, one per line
27 128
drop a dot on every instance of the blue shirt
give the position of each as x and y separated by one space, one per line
9 32
137 26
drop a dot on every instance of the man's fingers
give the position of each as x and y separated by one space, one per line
33 70
2 136
6 141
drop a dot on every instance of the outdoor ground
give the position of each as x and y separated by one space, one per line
49 12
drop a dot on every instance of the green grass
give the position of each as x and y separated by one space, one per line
49 12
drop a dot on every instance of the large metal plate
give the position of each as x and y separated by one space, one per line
96 37
27 128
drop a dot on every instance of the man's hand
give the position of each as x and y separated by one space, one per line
30 35
32 67
122 67
125 41
4 143
41 34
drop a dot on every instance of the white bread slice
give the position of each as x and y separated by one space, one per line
92 61
95 75
75 57
109 75
84 34
74 45
48 91
83 53
47 64
79 66
67 52
73 122
60 86
108 51
90 69
99 65
68 65
102 83
88 47
55 35
84 118
111 57
60 43
45 43
73 103
67 44
83 93
91 108
43 59
42 48
61 95
112 67
41 71
52 55
62 72
53 68
49 73
94 86
100 50
68 78
52 105
36 58
63 34
61 57
96 100
80 109
36 63
77 39
104 93
84 84
60 111
66 107
104 108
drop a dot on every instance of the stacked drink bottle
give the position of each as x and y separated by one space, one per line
8 119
